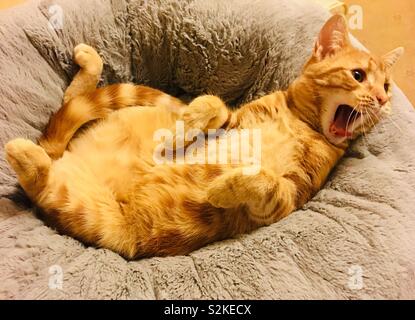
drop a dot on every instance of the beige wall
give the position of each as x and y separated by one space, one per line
388 24
9 3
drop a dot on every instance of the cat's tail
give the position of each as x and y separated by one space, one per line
97 105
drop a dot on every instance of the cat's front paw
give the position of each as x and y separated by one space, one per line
237 188
226 191
220 195
205 112
88 59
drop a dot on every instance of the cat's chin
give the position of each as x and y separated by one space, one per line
336 140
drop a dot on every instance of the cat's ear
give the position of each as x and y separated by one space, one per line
333 37
392 57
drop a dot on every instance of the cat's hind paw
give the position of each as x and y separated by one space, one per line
28 160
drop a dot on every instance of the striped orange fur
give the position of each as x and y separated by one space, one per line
96 105
103 186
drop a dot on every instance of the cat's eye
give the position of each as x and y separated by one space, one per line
359 75
386 86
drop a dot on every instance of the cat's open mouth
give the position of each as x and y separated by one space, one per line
344 121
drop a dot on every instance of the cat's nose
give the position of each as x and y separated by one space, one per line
382 98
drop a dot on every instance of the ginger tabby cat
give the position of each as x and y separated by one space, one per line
103 186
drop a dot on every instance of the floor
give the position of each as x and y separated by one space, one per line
386 25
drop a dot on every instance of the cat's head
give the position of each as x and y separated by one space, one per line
350 89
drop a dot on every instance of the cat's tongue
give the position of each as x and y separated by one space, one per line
343 120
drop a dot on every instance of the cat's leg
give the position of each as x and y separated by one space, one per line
72 198
203 113
97 105
88 76
31 164
81 205
267 196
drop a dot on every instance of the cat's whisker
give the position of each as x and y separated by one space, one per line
354 119
364 133
348 120
364 136
369 116
365 140
380 123
395 124
389 119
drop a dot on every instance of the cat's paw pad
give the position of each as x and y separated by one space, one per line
88 59
25 156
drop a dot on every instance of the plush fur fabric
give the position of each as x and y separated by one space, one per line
363 217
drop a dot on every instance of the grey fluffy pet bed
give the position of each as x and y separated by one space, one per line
355 239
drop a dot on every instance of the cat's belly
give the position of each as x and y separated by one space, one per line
279 147
123 142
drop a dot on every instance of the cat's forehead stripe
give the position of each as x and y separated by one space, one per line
373 64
